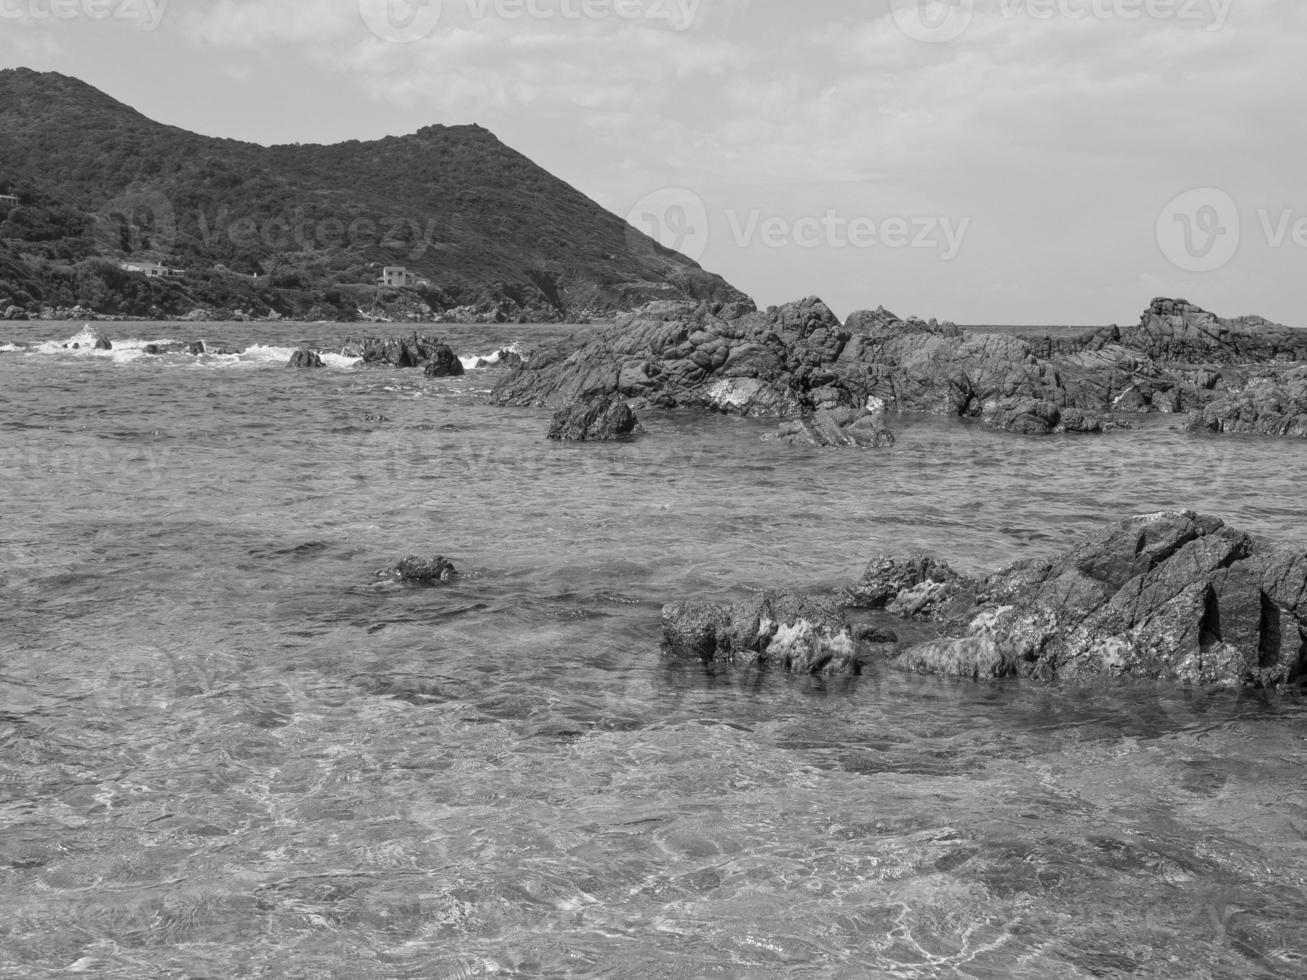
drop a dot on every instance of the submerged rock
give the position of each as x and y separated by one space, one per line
838 427
1032 416
605 419
1175 596
102 342
304 358
421 570
795 633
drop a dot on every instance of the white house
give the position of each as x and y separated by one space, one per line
152 270
398 277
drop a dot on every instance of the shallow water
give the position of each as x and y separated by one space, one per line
227 750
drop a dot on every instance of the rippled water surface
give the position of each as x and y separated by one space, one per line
226 749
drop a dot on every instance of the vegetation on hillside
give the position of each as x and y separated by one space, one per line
302 231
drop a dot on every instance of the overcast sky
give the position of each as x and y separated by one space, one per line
995 161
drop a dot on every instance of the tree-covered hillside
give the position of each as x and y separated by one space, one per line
301 230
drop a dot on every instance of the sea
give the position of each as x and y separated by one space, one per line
229 748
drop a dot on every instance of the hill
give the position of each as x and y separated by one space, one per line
480 231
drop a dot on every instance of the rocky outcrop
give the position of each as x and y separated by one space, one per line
792 361
421 571
780 630
1174 331
416 351
304 358
102 342
14 313
672 355
600 420
444 363
838 428
1176 597
1266 406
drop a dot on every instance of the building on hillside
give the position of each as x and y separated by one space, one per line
398 277
8 201
152 270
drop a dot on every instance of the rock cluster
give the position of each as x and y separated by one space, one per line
416 351
795 360
1175 597
1265 406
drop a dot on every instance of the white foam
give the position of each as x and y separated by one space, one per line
470 363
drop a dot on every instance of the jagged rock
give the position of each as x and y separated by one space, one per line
102 342
789 632
421 570
1267 406
399 352
197 348
444 363
603 420
797 359
15 313
509 359
838 427
304 358
1176 596
886 578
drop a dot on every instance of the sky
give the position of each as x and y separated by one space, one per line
982 161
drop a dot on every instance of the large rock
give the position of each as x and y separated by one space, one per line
601 420
1266 406
838 427
727 359
781 630
444 363
304 358
399 352
1174 596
